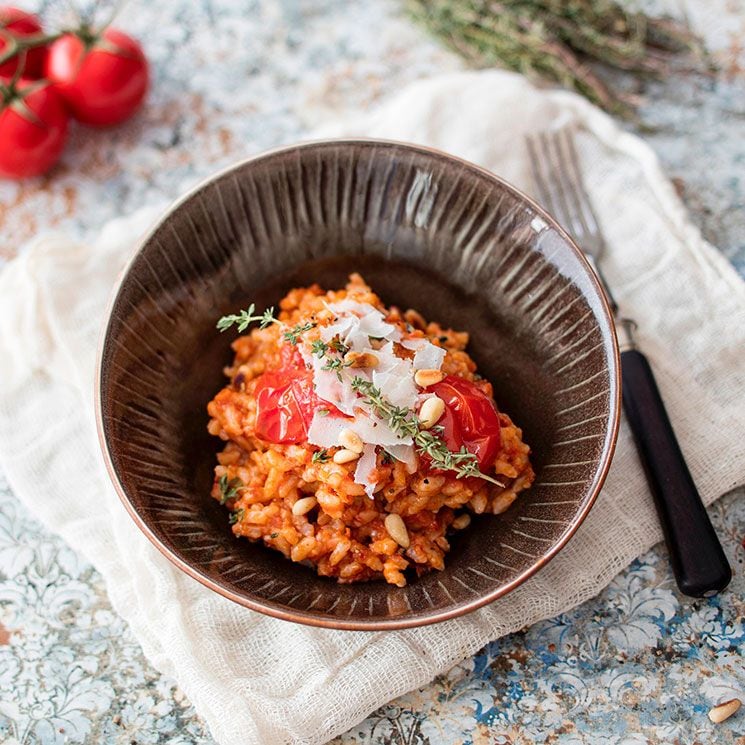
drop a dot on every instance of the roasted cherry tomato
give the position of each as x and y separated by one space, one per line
284 406
104 79
470 419
286 400
33 129
18 23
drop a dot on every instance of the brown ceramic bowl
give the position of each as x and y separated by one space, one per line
427 231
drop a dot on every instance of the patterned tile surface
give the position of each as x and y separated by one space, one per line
638 664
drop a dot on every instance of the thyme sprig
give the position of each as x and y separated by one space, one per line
236 516
321 456
336 364
228 489
246 317
555 40
339 346
293 335
404 423
319 348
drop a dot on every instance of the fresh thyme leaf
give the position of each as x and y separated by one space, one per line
404 423
319 348
246 317
335 363
236 516
293 335
321 456
228 489
323 412
339 346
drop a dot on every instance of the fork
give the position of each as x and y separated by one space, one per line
696 555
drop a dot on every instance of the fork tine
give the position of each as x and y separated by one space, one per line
587 211
544 171
538 177
564 188
571 179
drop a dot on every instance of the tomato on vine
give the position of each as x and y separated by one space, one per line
18 25
33 128
102 77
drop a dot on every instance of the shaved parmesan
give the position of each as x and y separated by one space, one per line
429 357
366 466
396 382
355 325
324 431
406 454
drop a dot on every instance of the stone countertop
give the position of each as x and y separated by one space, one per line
638 664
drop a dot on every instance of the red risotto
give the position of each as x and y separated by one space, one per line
358 437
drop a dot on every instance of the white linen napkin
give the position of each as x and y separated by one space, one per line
259 680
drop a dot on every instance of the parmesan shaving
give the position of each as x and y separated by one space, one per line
356 325
366 466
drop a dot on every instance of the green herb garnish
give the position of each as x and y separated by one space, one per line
335 363
246 317
405 423
236 516
321 456
293 335
228 489
339 346
319 348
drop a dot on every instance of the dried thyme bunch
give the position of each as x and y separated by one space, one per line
556 39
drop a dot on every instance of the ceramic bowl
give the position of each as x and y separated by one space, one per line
427 231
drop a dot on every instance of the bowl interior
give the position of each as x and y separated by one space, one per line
426 231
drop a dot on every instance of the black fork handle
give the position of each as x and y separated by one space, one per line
696 555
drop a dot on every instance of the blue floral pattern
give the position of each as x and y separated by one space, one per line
638 664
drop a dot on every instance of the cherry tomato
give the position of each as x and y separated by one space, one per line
284 406
470 419
18 23
286 400
33 129
104 80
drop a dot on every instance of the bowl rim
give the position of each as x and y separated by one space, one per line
302 616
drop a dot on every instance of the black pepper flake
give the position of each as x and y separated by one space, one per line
426 481
443 339
238 381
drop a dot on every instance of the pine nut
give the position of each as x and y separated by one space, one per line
361 359
396 528
431 411
345 456
463 521
304 505
724 711
426 378
350 440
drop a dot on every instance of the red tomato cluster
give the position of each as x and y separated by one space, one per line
99 79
